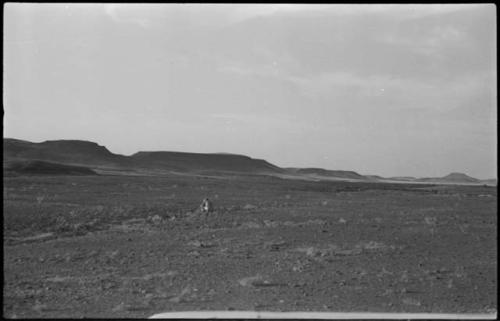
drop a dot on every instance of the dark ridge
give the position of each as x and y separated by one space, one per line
374 177
76 146
92 155
459 177
16 146
402 178
45 168
451 178
62 151
330 173
198 161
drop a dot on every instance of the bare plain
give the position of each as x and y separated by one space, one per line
133 246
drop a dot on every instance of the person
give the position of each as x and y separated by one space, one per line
206 206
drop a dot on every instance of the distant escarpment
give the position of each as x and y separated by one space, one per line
90 154
44 168
61 151
200 162
320 172
458 178
87 158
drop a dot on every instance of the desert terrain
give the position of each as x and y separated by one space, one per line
349 152
134 245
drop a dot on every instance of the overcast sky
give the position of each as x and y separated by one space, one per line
391 90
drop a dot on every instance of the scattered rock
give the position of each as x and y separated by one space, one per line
347 252
314 222
268 223
59 279
275 246
248 281
371 245
114 254
490 310
249 207
384 272
194 253
250 225
430 220
266 283
404 276
156 219
309 251
388 292
195 243
298 266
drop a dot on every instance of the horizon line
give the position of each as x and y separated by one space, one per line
235 154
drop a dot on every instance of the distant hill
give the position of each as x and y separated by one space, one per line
61 151
328 173
200 162
452 178
90 154
51 157
44 168
402 178
374 177
459 177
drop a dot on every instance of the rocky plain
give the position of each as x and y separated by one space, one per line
132 246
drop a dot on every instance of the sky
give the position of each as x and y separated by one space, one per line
390 90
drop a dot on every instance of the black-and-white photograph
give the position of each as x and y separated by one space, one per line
298 161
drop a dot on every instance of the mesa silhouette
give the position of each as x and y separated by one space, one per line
97 158
93 155
329 173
